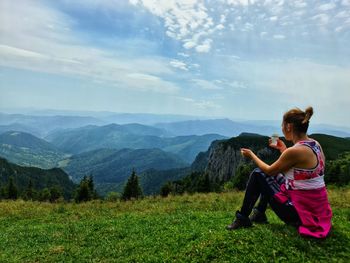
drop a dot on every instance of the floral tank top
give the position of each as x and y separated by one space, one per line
307 179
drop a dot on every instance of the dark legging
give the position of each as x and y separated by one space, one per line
260 184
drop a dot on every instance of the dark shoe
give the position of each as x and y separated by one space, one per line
258 217
239 222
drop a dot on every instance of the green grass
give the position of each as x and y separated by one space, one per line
189 228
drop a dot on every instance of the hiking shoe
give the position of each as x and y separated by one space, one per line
258 217
239 222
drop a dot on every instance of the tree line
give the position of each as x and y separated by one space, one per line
85 191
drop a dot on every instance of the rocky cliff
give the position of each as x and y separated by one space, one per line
223 157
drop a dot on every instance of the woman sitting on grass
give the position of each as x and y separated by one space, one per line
293 185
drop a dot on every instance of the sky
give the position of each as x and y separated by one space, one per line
239 59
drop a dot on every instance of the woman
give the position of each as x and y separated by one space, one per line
293 185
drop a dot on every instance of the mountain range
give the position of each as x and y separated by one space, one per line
162 151
134 136
41 123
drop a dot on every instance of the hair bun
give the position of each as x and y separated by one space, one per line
309 111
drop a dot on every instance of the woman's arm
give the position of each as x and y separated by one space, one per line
287 160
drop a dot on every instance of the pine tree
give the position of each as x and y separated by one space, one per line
29 193
83 193
86 190
91 184
12 192
132 188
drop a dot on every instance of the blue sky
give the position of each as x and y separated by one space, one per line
239 59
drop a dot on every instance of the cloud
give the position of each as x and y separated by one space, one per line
279 36
178 64
326 7
299 4
345 2
321 19
44 42
187 21
150 83
206 85
207 105
205 47
183 54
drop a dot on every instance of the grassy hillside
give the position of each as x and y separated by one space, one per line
176 229
25 149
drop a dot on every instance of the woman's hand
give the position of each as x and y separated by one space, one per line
279 146
247 153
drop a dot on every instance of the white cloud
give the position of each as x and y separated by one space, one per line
183 54
207 105
185 99
239 2
322 19
189 44
343 14
222 19
279 36
220 27
204 47
238 85
149 83
185 20
178 64
32 45
326 7
345 2
200 104
299 4
206 85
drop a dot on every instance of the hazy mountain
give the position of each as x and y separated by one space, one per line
21 128
111 117
224 127
39 177
133 136
231 128
115 166
25 149
144 118
45 124
110 136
